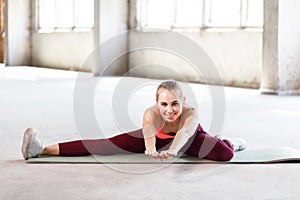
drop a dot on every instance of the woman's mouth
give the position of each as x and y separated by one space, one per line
170 116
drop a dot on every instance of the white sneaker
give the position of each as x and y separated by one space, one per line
238 143
32 146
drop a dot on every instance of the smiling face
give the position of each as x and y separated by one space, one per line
169 104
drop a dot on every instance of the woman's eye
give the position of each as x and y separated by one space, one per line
174 104
163 104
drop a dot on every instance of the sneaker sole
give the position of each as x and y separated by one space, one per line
26 140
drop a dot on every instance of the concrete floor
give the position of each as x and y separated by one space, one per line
43 98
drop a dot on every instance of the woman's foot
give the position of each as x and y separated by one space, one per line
32 146
238 143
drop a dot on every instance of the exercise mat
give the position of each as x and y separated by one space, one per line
266 155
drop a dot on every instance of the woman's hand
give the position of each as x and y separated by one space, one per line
151 153
166 155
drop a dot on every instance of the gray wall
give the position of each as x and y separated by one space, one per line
73 50
113 21
237 55
68 50
61 50
17 32
289 46
281 47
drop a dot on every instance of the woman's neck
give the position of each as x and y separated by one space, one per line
172 126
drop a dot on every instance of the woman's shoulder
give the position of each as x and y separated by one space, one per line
188 108
152 110
189 111
152 115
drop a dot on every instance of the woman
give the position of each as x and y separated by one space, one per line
169 127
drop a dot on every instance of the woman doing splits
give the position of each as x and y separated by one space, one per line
169 127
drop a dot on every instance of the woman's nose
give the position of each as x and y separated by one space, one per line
169 109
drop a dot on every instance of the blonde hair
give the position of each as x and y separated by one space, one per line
171 86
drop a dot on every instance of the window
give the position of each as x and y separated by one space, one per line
222 13
254 14
188 13
234 13
150 13
65 15
200 13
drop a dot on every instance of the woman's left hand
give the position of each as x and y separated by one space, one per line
166 155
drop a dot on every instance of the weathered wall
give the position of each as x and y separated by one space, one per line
71 49
61 50
17 33
289 46
237 57
281 47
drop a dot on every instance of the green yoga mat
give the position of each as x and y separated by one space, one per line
267 155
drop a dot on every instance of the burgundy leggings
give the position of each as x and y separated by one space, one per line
200 145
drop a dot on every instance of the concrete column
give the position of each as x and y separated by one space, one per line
18 33
281 47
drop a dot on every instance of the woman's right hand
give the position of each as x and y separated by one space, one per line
152 153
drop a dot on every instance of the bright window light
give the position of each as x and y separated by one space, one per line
189 13
200 13
85 13
223 13
254 16
47 16
160 13
65 14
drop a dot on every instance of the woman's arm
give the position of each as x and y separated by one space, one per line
182 135
149 131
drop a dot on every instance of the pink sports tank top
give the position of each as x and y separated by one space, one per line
162 135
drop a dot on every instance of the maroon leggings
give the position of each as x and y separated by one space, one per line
200 145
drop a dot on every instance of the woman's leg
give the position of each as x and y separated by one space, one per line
205 146
131 142
51 150
163 144
123 143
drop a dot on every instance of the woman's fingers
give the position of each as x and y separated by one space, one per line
164 155
151 153
154 154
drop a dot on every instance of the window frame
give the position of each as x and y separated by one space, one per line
57 28
244 11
